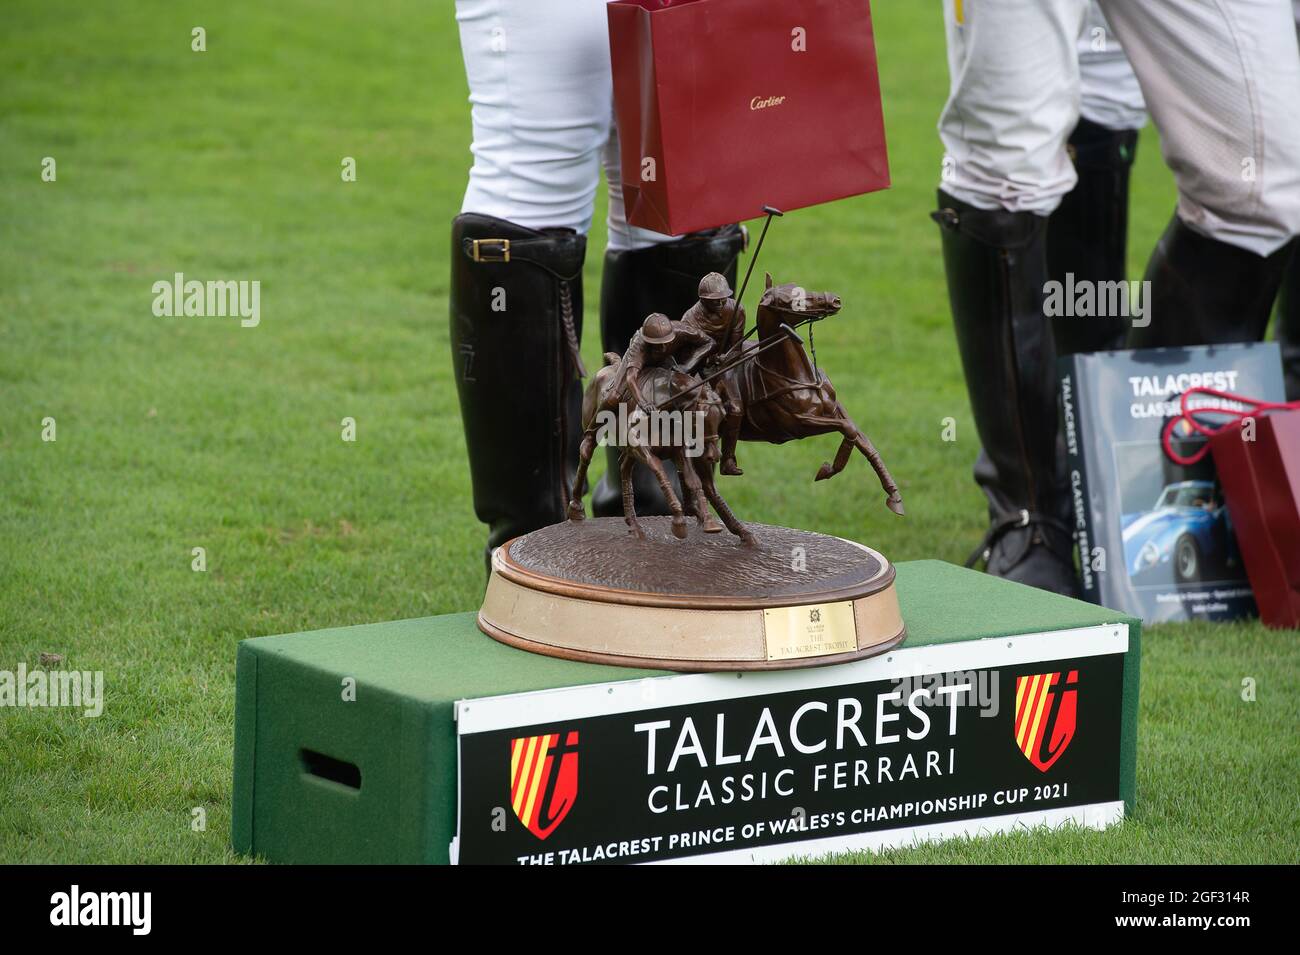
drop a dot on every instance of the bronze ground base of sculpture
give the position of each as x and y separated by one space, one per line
590 591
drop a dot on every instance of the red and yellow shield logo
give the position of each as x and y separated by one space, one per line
544 779
1046 710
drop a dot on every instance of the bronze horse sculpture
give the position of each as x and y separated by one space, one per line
673 391
784 398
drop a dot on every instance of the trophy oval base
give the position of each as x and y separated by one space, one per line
590 591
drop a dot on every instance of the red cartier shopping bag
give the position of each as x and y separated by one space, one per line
1261 482
725 106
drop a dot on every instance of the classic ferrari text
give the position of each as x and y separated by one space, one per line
831 726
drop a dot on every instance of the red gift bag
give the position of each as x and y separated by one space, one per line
1260 474
725 106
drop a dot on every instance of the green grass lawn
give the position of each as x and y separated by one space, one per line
181 433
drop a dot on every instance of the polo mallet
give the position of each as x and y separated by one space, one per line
771 211
790 333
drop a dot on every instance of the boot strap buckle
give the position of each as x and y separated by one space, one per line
947 218
480 253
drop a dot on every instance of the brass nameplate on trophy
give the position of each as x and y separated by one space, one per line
813 630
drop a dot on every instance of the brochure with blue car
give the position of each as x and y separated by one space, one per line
1154 537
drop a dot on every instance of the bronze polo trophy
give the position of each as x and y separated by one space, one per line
652 591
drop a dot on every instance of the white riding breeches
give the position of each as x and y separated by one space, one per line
542 110
1221 81
1109 94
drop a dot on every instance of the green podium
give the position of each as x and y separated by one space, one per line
424 741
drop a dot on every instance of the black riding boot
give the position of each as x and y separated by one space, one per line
1207 292
997 266
1288 326
662 278
1087 236
516 319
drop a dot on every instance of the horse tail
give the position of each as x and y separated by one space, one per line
591 397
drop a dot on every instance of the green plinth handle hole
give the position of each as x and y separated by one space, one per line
331 769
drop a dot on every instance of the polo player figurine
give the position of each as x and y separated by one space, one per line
654 345
720 317
648 377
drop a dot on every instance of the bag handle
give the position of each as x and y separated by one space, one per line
1253 407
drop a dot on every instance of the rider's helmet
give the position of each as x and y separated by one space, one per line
714 286
657 329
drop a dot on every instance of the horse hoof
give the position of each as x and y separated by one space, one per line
710 526
895 503
731 468
823 472
748 539
679 528
576 513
